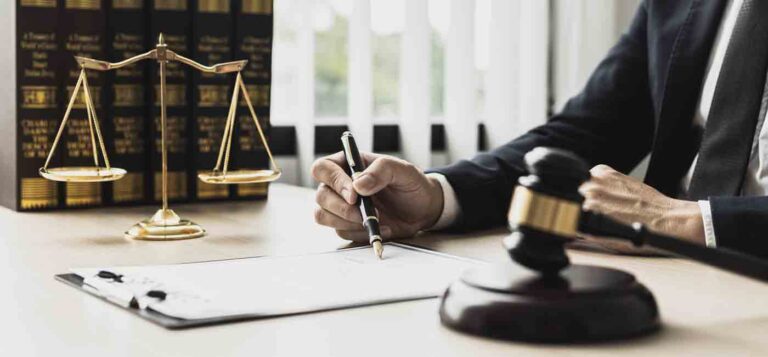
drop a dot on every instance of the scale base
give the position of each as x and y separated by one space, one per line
582 304
165 225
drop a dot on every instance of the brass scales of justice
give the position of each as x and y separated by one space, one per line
165 224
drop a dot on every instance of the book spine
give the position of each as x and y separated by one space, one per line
172 19
127 116
212 41
38 108
81 33
253 41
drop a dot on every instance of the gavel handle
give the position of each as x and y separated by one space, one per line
723 258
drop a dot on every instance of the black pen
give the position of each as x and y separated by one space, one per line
356 167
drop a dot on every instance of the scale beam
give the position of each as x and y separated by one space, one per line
170 56
99 65
227 67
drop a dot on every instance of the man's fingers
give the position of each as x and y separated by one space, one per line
613 246
599 197
601 171
591 189
330 171
328 219
361 236
384 171
331 201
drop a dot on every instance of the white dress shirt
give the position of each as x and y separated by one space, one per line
756 178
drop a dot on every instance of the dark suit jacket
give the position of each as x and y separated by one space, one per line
641 99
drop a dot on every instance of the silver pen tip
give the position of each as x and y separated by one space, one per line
378 249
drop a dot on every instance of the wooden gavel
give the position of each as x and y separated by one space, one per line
546 213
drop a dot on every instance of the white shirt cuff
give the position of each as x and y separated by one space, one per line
451 208
709 227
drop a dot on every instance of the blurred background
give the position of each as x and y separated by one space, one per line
431 81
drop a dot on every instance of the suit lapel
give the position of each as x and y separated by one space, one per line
676 142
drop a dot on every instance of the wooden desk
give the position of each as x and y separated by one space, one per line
705 311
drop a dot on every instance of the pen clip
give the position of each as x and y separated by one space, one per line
350 162
348 155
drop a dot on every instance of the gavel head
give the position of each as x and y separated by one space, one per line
545 209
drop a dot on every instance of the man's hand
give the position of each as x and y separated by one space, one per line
407 201
629 200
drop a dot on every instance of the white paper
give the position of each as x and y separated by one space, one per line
270 286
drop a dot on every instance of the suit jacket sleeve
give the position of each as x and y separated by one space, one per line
740 223
610 122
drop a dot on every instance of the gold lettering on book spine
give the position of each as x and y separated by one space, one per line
170 4
127 4
249 134
129 189
37 193
128 135
38 97
213 6
175 95
175 144
177 185
259 95
209 131
83 194
213 95
128 95
38 3
253 190
176 141
79 143
83 4
257 7
36 137
80 100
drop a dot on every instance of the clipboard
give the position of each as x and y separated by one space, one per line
175 323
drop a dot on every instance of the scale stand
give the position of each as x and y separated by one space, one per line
165 224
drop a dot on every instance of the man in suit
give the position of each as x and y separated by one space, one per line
686 83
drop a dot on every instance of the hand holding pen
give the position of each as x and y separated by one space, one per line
406 200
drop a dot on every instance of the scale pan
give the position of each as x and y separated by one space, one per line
82 174
240 176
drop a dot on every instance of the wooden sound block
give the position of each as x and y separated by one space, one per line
583 303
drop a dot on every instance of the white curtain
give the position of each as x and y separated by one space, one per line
539 51
415 61
305 101
460 83
360 85
516 81
584 32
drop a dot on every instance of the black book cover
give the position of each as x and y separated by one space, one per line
81 33
172 18
212 43
38 109
127 116
253 41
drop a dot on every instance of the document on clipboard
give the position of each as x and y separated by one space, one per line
193 294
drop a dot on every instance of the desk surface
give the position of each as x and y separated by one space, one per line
704 311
